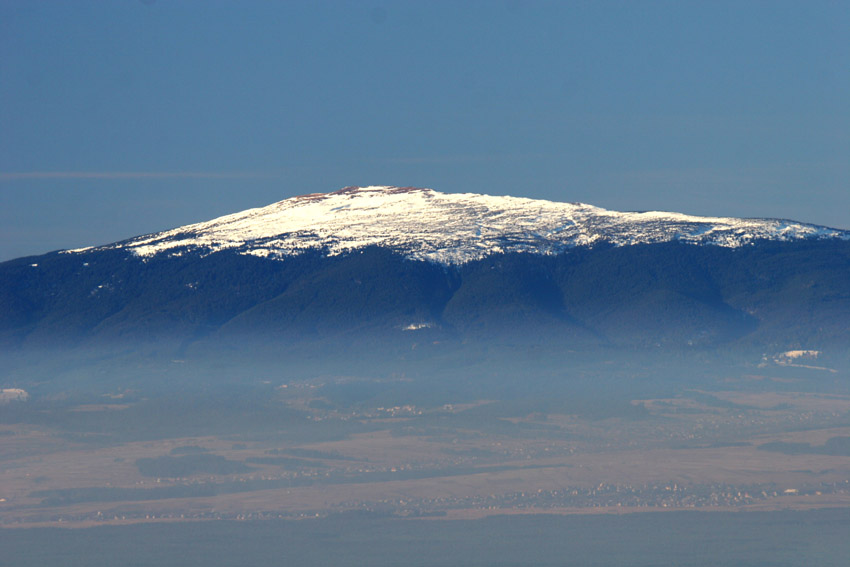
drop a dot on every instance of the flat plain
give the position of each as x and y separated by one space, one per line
724 450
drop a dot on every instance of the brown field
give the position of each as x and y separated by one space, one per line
684 455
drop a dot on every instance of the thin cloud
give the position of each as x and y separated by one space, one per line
461 159
18 175
438 160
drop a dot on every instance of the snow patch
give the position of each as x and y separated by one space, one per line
417 326
795 354
449 229
8 395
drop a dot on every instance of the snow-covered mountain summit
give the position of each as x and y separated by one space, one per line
449 228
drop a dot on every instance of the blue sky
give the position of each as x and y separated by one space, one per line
126 117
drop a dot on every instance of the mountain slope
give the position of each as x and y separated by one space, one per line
621 281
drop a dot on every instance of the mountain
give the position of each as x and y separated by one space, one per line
400 273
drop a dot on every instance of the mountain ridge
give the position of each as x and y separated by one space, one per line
449 228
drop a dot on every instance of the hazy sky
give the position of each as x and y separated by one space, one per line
119 118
